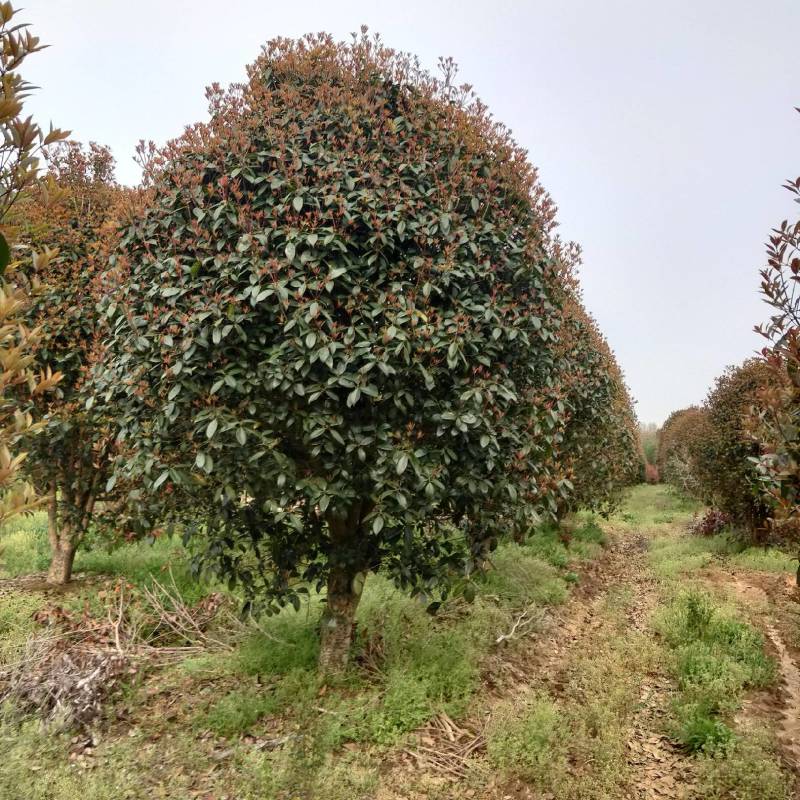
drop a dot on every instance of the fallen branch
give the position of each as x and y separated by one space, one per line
531 616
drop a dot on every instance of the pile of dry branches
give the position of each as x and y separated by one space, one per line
67 671
447 747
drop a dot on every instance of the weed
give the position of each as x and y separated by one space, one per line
744 768
236 712
530 743
715 658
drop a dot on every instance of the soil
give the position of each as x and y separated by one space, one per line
658 768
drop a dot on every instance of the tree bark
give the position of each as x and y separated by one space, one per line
63 543
338 622
344 592
60 571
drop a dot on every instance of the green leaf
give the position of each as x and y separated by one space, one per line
212 428
290 251
402 463
353 397
297 202
377 524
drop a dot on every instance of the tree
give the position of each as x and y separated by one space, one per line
20 144
775 417
75 208
726 468
333 338
599 453
680 454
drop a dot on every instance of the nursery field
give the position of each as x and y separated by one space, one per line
319 478
606 659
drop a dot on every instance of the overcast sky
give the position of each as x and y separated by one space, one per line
663 130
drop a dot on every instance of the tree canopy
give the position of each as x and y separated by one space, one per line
335 326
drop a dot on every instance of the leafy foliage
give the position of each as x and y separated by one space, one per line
775 417
599 452
725 462
679 443
20 143
335 327
74 208
709 453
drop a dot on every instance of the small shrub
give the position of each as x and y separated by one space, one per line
698 729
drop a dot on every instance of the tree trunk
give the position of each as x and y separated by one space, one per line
60 571
62 544
345 582
338 621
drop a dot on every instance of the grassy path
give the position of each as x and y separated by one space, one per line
670 673
658 666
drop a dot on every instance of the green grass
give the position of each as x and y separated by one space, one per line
745 769
23 546
16 624
715 658
650 505
24 549
236 712
768 559
419 664
672 556
409 666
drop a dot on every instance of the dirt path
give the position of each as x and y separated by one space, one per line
749 590
656 769
652 766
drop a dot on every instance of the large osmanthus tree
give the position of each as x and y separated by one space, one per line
599 453
333 340
75 208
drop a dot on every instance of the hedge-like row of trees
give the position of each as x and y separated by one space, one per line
740 452
333 332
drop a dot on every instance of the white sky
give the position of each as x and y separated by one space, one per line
663 129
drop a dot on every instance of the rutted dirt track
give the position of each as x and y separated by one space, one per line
657 769
749 590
